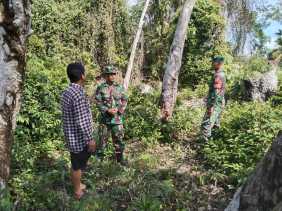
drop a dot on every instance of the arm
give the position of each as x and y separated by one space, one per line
218 85
123 104
215 97
83 118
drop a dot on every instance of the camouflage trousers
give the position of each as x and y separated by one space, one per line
117 134
210 121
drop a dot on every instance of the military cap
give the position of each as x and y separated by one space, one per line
110 70
219 59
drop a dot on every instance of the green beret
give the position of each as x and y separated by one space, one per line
219 59
110 70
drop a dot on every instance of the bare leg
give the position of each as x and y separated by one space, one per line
82 186
76 181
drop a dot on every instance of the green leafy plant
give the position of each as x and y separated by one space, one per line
246 133
142 117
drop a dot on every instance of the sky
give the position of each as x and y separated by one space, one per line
273 27
270 31
132 2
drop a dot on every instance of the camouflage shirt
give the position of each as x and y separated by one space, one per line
111 96
217 89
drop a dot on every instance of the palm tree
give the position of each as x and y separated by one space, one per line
172 70
134 46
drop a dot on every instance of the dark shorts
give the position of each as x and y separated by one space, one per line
79 160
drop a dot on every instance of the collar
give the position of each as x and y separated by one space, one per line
77 86
218 71
113 84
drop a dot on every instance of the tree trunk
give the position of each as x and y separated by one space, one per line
134 47
14 30
262 191
137 75
170 80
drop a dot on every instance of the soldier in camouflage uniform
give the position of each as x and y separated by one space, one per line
111 100
215 100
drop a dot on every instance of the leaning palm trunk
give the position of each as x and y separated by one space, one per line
14 29
170 80
134 47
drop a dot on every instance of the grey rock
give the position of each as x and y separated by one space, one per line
195 103
145 89
261 87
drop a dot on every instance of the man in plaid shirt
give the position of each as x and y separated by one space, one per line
77 124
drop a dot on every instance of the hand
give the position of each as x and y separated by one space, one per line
113 111
210 111
92 146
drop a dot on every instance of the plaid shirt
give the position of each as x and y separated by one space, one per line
77 118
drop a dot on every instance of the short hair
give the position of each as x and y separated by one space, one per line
75 71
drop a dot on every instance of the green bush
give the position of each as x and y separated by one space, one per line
142 117
39 123
204 40
200 91
144 124
246 133
277 98
203 44
38 137
6 202
255 65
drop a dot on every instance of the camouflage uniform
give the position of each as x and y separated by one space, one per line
216 101
111 96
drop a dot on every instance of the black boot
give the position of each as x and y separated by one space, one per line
121 160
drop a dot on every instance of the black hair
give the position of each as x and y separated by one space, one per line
75 71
